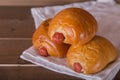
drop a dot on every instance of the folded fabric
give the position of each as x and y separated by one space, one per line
107 16
107 1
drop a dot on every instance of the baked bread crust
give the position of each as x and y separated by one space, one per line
77 25
40 39
93 56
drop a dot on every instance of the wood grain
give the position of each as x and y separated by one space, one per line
118 1
10 50
36 2
16 22
32 73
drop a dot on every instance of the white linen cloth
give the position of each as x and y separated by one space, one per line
107 1
108 18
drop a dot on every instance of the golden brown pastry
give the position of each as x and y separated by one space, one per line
72 25
44 45
91 57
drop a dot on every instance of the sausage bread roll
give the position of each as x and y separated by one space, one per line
44 45
91 57
72 25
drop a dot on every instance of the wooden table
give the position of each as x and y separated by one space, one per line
16 29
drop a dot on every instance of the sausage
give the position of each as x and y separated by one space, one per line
43 52
58 38
77 67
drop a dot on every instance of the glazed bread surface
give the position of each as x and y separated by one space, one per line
93 56
40 39
77 25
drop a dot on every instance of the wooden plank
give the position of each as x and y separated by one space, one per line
16 28
18 65
15 12
35 73
16 22
36 2
10 50
31 73
117 77
118 1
